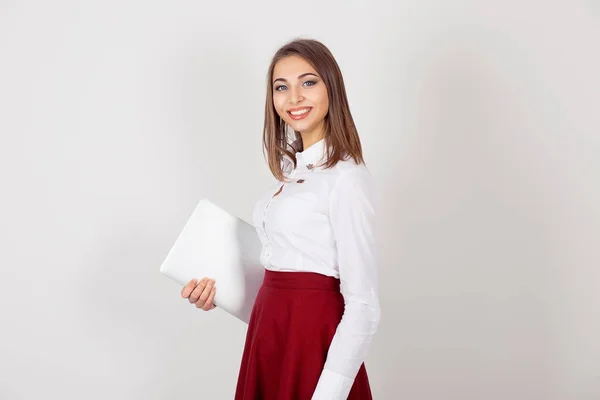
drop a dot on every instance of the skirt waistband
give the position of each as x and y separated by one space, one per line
300 280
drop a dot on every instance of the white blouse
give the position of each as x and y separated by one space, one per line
324 222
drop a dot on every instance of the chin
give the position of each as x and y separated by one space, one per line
301 127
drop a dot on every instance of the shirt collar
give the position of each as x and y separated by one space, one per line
312 155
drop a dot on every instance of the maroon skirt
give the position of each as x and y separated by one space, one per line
291 327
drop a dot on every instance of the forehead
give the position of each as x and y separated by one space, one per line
291 67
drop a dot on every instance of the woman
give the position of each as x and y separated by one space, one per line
317 309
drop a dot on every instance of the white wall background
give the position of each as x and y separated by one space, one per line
480 121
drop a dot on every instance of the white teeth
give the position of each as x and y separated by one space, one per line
300 112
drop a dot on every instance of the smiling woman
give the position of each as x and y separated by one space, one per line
306 95
317 310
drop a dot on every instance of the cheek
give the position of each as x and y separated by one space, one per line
278 104
323 100
324 106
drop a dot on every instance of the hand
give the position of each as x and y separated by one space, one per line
200 293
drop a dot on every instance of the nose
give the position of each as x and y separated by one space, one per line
295 96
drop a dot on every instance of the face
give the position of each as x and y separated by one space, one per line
300 95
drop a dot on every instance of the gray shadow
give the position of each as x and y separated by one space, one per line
466 316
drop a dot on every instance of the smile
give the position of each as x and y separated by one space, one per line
299 113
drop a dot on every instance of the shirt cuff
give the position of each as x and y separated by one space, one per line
332 386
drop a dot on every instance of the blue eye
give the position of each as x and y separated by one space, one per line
279 88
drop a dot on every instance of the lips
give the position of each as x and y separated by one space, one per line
299 113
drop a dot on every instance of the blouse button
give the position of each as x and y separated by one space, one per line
300 180
310 166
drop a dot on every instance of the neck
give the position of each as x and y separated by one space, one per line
310 138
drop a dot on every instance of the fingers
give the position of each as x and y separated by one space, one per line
205 294
201 293
209 302
195 295
187 289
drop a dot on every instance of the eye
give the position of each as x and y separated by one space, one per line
312 83
277 88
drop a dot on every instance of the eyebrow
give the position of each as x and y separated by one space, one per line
299 77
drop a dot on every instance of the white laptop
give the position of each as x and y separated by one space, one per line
218 245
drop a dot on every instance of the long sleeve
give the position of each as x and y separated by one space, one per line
352 215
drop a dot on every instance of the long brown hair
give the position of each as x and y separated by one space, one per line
341 134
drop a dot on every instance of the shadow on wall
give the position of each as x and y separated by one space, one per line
466 243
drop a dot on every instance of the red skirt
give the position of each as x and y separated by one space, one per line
293 321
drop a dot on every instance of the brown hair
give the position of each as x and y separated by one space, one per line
341 135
